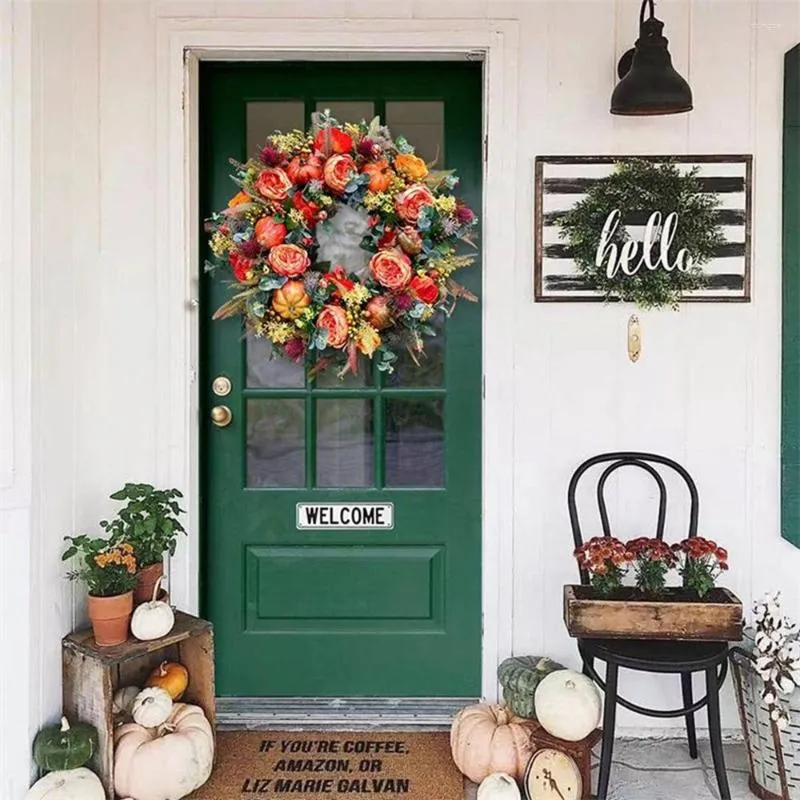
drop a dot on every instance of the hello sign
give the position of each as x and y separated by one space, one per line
561 182
623 258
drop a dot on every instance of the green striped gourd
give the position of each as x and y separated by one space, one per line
519 676
64 746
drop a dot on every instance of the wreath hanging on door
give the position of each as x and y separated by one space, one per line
341 241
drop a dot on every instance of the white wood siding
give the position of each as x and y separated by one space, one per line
705 391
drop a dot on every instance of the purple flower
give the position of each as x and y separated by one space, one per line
250 249
464 214
368 148
270 156
295 348
402 302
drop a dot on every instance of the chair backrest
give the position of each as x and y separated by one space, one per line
644 461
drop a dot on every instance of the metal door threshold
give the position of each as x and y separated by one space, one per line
343 713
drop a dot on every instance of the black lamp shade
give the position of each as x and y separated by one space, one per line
650 85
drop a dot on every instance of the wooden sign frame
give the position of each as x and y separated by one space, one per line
557 279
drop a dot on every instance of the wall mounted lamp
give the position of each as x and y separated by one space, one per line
649 84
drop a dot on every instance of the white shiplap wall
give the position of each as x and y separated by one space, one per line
705 391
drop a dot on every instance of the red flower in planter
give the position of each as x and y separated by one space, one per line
701 561
606 560
653 559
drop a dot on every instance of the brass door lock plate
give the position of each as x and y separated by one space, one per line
221 386
634 338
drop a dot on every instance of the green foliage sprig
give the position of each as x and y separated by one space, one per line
149 521
637 185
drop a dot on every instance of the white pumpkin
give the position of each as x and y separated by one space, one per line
122 704
568 705
67 784
498 786
152 707
153 619
164 763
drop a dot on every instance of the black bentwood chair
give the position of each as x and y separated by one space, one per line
660 656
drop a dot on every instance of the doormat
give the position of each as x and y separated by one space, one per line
325 765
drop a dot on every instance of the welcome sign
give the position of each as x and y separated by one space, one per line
562 182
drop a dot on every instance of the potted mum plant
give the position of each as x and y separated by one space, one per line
766 673
650 609
109 571
149 522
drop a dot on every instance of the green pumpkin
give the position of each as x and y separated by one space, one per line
519 676
64 746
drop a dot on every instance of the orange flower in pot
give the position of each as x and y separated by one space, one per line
109 571
149 522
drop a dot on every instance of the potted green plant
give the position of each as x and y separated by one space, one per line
109 571
149 522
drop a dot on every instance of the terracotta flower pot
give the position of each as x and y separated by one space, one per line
146 581
111 618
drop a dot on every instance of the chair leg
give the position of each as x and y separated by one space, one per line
715 733
609 717
691 733
587 663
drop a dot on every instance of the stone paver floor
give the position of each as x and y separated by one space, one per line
648 769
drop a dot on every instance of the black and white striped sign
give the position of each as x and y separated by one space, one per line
562 181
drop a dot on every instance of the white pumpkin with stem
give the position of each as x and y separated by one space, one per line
152 707
122 704
488 738
153 619
568 705
164 763
498 786
68 784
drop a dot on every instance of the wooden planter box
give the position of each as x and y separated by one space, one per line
92 674
716 618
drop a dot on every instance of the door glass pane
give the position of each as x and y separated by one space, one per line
422 123
430 370
328 379
275 443
344 443
415 442
265 117
348 110
268 371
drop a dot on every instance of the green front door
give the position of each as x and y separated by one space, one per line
387 612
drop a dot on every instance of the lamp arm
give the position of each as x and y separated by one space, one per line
646 3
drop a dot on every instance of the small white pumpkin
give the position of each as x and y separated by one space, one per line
122 705
153 619
568 705
498 786
67 784
152 707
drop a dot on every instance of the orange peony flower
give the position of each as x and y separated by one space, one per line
391 268
289 260
424 289
411 166
334 319
410 202
273 183
338 172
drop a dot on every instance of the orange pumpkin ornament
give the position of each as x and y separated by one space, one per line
380 176
170 676
290 300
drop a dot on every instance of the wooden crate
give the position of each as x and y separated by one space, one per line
688 620
92 674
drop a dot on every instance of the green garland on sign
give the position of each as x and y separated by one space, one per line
640 186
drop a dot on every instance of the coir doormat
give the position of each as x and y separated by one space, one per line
331 766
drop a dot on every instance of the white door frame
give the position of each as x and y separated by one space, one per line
182 44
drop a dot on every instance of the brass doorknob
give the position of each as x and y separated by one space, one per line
221 416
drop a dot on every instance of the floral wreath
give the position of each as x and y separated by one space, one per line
634 185
341 241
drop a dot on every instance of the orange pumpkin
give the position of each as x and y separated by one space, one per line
291 299
170 676
380 176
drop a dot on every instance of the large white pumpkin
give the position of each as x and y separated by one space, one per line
568 705
488 738
498 786
164 763
67 784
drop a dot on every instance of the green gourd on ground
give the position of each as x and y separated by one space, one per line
64 746
519 676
